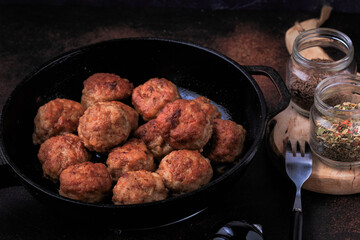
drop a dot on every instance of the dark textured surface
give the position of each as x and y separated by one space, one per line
31 36
346 6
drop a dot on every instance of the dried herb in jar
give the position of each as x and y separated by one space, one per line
340 138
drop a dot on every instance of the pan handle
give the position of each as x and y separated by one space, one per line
283 92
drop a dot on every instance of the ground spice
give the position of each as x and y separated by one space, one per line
303 82
339 139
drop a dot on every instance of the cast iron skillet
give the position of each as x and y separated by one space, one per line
194 69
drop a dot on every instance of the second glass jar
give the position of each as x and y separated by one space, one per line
335 121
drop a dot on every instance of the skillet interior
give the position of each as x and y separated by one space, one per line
190 67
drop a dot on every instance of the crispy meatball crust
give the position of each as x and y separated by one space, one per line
136 187
208 108
151 136
101 87
132 156
184 171
103 126
56 117
133 115
183 125
59 152
227 141
87 182
150 97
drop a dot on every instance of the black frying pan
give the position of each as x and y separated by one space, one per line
194 69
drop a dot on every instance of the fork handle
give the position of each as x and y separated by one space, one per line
296 233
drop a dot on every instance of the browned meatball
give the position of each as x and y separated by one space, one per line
103 126
87 182
184 125
59 152
151 136
208 108
139 187
149 98
185 170
101 87
227 141
132 156
133 115
56 117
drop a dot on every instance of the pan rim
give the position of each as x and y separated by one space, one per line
243 161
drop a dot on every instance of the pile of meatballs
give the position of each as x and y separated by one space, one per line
172 152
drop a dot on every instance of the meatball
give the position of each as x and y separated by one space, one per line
103 126
183 125
136 187
101 87
151 136
56 117
149 98
185 170
208 108
87 182
59 152
132 156
133 115
227 141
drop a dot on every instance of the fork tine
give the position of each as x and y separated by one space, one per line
303 148
289 148
298 148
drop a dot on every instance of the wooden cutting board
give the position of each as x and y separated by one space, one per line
323 179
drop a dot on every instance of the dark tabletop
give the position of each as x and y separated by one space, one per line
30 36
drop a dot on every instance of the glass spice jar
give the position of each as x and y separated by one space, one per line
335 121
317 53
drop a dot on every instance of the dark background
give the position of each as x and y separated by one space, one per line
348 6
251 33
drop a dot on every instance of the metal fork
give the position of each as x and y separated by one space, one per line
298 167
